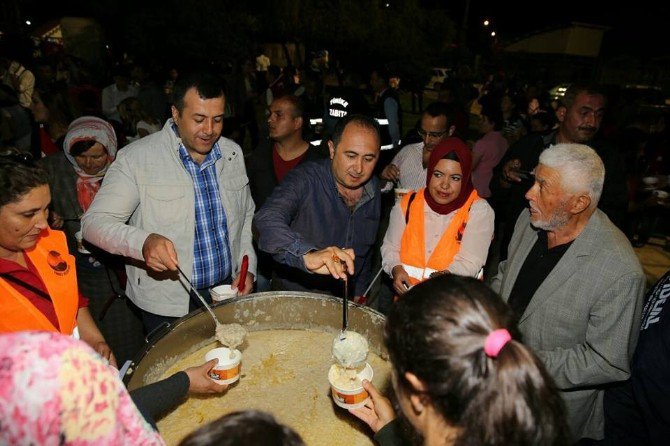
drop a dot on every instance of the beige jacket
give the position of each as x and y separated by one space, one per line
148 190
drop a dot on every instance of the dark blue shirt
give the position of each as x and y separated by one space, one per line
306 213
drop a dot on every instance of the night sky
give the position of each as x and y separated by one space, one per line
636 27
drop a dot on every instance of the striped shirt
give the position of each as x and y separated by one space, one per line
410 163
211 251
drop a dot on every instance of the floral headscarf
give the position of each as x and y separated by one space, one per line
55 390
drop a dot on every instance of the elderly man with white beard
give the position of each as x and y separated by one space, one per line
574 283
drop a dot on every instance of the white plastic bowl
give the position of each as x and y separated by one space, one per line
227 370
352 398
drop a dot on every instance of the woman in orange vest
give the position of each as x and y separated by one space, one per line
38 281
443 228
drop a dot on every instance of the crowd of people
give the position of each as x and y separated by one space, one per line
109 197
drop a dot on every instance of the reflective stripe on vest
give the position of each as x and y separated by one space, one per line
420 274
413 245
56 268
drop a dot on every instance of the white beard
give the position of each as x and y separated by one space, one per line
556 220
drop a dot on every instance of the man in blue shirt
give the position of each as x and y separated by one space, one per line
184 194
323 218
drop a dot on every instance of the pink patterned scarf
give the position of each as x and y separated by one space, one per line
55 390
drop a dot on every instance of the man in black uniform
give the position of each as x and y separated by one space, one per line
387 105
344 99
638 412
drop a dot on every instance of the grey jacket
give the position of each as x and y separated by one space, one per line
584 318
148 190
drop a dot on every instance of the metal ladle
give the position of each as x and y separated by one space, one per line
202 299
345 309
218 326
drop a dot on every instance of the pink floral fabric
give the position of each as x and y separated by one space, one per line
55 390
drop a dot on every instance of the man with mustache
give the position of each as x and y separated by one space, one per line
574 284
580 115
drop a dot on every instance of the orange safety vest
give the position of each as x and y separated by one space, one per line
413 244
56 268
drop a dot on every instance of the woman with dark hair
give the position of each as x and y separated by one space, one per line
459 376
53 112
444 227
38 280
248 428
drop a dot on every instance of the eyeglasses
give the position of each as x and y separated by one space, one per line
424 134
19 157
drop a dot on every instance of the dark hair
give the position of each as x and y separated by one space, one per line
245 428
453 156
436 109
19 174
206 84
82 146
8 96
132 112
546 119
121 71
494 114
366 122
297 104
437 332
60 106
274 70
575 89
382 73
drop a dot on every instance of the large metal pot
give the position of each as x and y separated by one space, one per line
261 311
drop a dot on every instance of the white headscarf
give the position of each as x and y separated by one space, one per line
89 128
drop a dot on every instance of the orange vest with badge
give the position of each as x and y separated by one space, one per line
56 268
413 244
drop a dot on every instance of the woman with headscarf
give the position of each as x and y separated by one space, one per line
74 176
54 390
76 173
443 228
